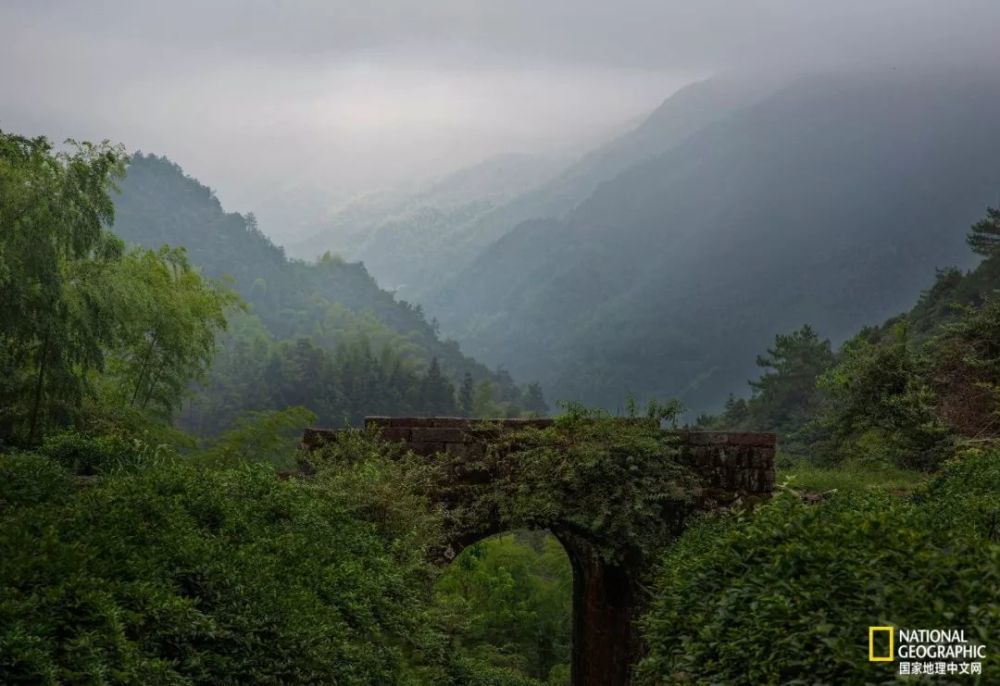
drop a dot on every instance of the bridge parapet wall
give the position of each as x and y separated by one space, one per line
733 464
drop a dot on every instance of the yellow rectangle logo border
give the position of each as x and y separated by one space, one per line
871 644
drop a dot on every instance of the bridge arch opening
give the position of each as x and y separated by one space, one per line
507 601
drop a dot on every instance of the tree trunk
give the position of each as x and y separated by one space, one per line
144 368
36 404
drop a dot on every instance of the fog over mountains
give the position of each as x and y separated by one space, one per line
660 264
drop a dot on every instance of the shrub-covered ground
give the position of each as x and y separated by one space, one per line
175 574
786 594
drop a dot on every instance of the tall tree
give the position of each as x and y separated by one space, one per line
534 400
466 395
168 330
437 395
785 396
984 236
53 209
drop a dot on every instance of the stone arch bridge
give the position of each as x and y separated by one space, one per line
733 468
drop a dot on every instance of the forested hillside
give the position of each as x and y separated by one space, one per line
900 394
828 201
320 334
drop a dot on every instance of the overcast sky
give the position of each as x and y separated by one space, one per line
301 104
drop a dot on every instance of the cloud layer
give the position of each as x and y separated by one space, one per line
290 107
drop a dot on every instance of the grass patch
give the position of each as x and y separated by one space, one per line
850 477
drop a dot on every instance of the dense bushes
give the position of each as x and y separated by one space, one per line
27 479
94 455
507 601
788 593
178 575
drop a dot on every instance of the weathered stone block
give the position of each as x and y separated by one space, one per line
465 451
435 435
752 439
450 422
411 422
706 437
426 447
396 433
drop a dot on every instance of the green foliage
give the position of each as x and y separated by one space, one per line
84 455
896 395
180 575
507 601
28 479
534 401
851 475
965 359
268 436
53 256
82 321
437 394
322 335
468 672
466 396
786 594
882 408
617 481
340 384
169 319
785 398
984 236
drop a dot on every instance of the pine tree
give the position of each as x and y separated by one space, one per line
437 395
984 237
466 395
785 394
534 401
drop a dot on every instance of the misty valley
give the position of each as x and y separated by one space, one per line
712 398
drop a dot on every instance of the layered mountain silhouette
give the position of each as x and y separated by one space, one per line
406 240
661 265
160 205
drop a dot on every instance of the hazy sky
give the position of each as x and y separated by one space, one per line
280 104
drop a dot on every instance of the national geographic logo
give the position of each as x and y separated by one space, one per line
890 654
926 651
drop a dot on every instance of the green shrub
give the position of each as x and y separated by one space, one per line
28 479
785 595
466 672
179 575
85 455
967 493
507 601
880 405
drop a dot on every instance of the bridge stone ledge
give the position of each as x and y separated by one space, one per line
741 462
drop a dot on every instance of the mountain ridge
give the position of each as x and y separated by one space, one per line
778 197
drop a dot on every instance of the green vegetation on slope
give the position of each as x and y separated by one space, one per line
92 333
165 572
128 557
899 395
828 201
321 335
